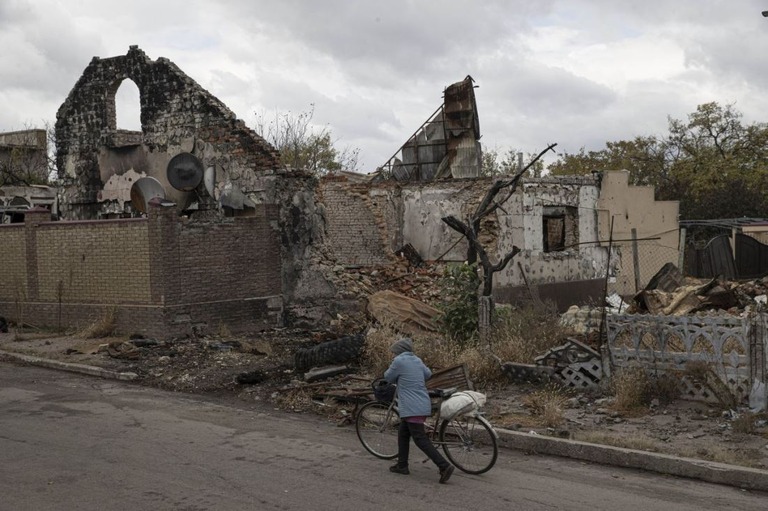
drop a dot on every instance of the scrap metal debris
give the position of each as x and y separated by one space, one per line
670 293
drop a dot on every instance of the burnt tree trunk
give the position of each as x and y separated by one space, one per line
471 231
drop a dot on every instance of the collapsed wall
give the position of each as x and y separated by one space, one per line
215 260
552 220
99 162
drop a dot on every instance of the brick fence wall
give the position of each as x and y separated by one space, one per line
162 276
13 281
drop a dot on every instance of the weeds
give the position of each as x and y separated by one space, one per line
20 299
634 388
630 387
744 423
548 405
458 286
103 327
520 335
523 333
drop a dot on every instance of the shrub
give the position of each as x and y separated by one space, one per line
103 327
522 333
458 287
547 404
630 387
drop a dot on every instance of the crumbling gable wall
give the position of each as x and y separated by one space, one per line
634 214
101 161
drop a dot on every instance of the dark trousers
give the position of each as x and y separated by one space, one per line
416 431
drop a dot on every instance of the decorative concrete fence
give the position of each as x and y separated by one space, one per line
732 347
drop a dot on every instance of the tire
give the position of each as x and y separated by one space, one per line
376 427
470 443
332 352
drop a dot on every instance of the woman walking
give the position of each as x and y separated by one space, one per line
411 375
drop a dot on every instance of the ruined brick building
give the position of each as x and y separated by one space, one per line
191 225
174 269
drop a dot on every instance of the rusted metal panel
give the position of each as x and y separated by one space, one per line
447 143
716 259
751 257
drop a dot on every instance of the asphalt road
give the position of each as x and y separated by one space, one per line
75 442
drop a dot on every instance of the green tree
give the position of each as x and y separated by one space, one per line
495 163
713 163
303 145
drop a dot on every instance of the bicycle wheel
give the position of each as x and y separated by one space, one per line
377 426
470 443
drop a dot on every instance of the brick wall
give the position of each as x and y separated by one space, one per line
357 227
164 276
93 262
213 274
13 270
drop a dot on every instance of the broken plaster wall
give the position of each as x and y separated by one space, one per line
625 207
565 276
389 215
100 162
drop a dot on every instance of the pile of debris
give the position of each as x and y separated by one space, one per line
670 293
407 275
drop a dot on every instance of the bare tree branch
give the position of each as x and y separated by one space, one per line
471 229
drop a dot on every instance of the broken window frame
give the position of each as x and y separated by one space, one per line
558 238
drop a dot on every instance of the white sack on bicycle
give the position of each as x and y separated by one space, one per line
461 403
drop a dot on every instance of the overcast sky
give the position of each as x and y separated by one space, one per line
578 73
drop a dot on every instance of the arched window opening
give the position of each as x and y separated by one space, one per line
128 106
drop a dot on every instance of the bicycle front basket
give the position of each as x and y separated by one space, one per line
383 390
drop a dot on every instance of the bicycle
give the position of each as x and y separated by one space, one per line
468 440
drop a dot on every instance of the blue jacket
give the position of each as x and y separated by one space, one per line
410 374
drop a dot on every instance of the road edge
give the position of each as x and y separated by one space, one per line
709 471
690 468
67 366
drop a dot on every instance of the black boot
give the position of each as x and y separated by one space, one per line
397 469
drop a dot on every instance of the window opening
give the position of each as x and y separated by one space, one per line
127 107
560 227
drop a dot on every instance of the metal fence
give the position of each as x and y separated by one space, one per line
640 261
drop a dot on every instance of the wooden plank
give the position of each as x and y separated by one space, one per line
451 377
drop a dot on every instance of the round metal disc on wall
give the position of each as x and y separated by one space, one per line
209 179
185 172
143 191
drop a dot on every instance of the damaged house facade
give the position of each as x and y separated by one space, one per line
23 165
191 224
174 229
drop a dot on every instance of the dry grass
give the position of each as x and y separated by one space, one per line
524 333
300 400
745 423
547 405
630 387
223 330
103 327
636 442
520 335
719 454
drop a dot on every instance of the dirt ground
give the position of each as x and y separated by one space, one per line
260 368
